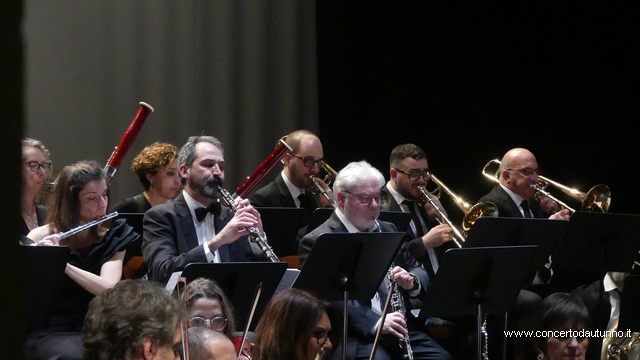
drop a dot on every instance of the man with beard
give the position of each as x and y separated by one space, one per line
357 189
289 187
193 227
426 239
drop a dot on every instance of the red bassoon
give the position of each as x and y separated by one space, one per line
127 140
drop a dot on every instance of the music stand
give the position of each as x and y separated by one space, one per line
282 226
595 243
43 275
348 266
629 311
398 218
239 282
489 282
494 231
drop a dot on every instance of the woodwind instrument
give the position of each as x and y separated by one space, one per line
254 233
262 170
397 304
100 220
127 140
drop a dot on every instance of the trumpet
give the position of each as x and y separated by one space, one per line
596 199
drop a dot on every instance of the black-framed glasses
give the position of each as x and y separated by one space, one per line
321 336
527 171
216 323
365 199
35 166
309 162
414 175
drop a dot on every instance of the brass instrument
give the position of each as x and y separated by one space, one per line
397 305
627 348
254 233
471 213
596 199
457 237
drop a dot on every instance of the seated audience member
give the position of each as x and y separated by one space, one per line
557 314
136 319
95 263
157 168
36 166
297 325
208 344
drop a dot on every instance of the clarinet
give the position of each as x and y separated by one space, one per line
397 304
254 233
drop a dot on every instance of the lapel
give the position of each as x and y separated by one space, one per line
285 196
186 222
335 224
388 202
505 202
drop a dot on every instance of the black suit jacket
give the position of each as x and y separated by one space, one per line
170 242
361 318
276 194
507 207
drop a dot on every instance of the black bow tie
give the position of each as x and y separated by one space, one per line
214 209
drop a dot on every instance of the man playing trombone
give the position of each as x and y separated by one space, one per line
427 240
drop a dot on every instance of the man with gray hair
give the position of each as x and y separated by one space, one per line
357 193
194 227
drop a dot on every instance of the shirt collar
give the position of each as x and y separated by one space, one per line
192 203
396 195
515 197
294 190
609 284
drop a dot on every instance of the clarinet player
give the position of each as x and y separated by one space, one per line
357 190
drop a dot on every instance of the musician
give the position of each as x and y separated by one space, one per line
357 188
157 169
426 239
208 306
36 166
208 344
514 197
194 227
561 312
297 325
95 263
289 187
136 319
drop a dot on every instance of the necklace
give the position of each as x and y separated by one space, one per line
30 217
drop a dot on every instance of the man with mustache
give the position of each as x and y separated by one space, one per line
357 189
193 227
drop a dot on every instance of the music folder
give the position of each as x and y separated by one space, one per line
239 282
282 226
43 275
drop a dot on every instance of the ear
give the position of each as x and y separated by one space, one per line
148 348
340 197
183 169
150 176
394 174
506 175
286 158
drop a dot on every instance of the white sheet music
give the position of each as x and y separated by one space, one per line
173 281
287 280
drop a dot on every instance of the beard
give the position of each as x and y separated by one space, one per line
208 189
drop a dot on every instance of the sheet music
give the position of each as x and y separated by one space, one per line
287 280
173 281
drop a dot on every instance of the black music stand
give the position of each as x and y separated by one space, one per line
494 231
348 266
400 219
282 226
43 276
489 282
135 221
629 311
595 243
239 282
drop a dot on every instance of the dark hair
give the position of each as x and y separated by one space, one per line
121 318
404 151
152 158
557 311
287 323
203 288
197 337
188 151
64 210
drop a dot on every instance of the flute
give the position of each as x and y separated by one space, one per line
100 220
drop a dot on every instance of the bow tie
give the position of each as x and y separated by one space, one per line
214 209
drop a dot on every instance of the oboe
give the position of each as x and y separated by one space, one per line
397 304
254 233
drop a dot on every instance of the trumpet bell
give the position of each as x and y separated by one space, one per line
477 211
597 199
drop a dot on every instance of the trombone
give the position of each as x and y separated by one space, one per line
596 199
471 213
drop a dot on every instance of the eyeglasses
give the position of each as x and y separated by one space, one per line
414 175
364 199
527 171
35 166
216 323
309 162
321 336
